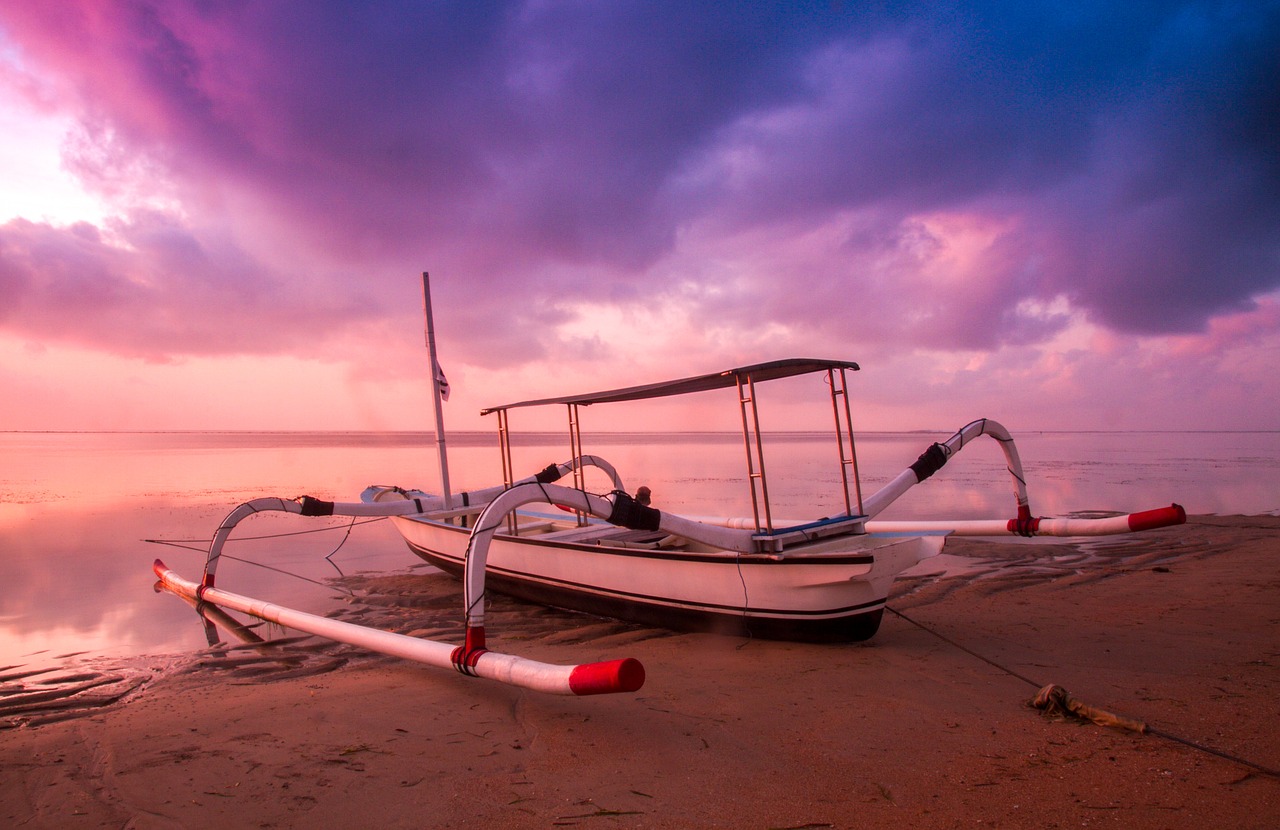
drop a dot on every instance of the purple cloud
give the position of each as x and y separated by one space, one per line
540 155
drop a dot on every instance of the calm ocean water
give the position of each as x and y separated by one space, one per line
76 509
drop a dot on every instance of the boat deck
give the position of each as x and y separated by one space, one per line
608 536
556 529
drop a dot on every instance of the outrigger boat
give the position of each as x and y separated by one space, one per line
611 553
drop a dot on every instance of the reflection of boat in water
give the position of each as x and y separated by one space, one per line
825 578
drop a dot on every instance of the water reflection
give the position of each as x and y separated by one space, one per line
75 573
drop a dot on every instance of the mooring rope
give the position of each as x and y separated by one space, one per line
1160 733
189 544
177 543
329 557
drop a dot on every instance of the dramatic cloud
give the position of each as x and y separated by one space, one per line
147 290
933 177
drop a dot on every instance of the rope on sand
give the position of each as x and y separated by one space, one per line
1054 699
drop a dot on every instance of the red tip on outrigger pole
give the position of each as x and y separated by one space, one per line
625 675
1174 514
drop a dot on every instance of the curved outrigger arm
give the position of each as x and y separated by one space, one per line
932 459
617 508
407 503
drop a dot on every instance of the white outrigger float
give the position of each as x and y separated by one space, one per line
825 579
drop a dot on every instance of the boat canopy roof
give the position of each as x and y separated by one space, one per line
756 373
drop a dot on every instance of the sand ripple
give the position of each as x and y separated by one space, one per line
38 696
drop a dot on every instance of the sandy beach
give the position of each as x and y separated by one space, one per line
927 725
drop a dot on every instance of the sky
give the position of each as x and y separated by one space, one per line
215 215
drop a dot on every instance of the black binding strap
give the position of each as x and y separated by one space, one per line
629 513
315 507
549 474
929 462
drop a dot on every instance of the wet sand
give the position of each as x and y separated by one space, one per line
1179 628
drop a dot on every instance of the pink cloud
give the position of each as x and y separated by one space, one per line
859 180
152 288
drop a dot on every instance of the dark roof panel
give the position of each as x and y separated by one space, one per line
702 383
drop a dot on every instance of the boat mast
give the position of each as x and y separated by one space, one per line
436 375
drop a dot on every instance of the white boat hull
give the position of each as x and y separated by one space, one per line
830 590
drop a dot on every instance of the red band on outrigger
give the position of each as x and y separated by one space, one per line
1023 525
465 656
1174 514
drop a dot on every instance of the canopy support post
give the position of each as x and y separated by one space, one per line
844 429
754 444
508 467
575 451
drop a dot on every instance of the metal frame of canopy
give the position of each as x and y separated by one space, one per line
744 380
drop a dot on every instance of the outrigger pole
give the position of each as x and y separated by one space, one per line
625 675
436 375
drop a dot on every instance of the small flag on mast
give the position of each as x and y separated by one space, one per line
442 383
